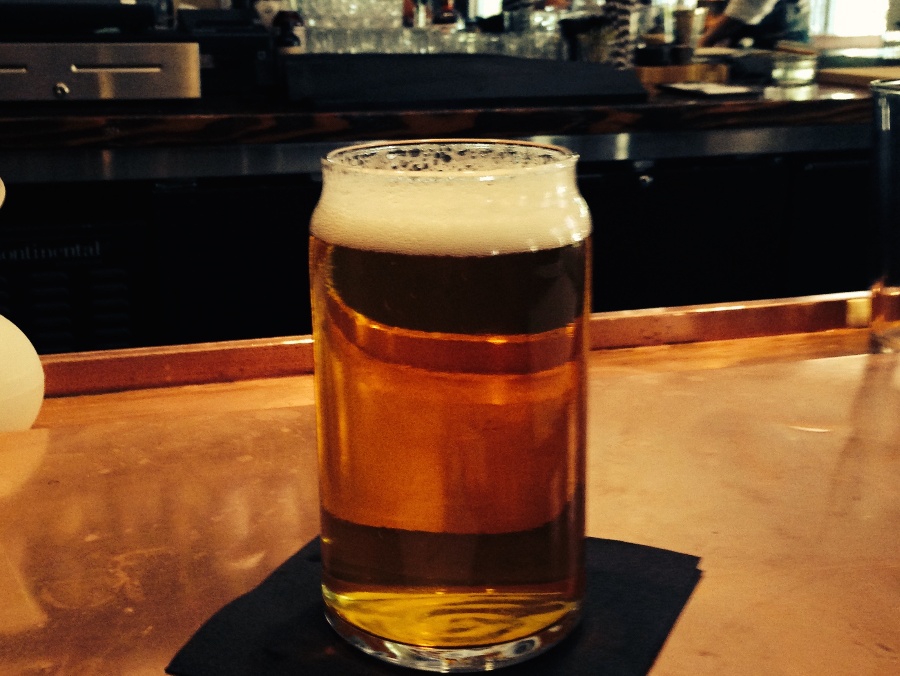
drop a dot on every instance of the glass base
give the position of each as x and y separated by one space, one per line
885 336
454 659
885 341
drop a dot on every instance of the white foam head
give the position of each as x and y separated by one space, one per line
451 197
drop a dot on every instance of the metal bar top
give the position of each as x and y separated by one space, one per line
127 518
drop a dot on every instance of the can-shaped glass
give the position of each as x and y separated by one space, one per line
886 290
451 290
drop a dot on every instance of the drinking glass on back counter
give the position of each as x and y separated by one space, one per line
886 291
450 288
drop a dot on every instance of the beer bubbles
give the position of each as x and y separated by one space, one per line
21 379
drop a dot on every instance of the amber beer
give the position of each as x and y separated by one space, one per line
450 292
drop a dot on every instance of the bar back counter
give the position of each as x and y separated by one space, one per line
134 224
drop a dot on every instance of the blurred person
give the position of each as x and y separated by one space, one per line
766 22
619 20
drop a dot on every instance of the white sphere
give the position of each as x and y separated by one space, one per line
21 379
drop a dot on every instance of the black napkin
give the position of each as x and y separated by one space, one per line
634 596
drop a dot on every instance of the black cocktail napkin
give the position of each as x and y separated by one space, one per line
634 596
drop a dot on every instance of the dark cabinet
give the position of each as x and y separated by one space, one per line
87 266
110 264
73 264
831 232
230 258
694 231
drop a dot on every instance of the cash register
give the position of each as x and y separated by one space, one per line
94 50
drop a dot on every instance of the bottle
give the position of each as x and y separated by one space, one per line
422 14
290 32
445 13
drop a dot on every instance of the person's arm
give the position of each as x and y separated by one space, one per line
738 15
722 28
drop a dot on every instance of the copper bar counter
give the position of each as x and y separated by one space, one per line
159 484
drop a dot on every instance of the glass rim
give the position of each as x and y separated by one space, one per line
889 86
563 158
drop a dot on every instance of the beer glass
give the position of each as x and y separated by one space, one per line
450 299
886 290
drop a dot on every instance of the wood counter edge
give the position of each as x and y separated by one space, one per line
80 373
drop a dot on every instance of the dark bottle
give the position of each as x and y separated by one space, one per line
445 13
290 31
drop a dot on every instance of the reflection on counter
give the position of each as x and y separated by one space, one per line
130 535
20 611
